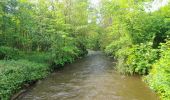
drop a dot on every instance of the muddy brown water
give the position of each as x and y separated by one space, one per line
90 78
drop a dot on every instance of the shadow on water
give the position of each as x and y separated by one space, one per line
90 78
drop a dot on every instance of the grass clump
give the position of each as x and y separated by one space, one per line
14 74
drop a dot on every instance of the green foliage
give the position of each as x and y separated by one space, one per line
128 28
14 74
159 77
143 27
127 33
138 59
8 53
115 46
56 32
121 57
93 40
45 26
64 49
50 32
37 57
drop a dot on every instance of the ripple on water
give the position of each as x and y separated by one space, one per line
90 78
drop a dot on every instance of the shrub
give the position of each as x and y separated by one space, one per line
116 45
121 57
8 53
65 55
138 59
65 49
37 57
93 40
159 77
13 74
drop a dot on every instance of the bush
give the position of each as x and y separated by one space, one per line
65 49
8 53
65 55
13 74
138 59
116 45
159 77
121 57
37 57
93 40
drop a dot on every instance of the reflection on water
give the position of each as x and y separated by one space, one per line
90 78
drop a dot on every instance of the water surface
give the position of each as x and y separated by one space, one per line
90 78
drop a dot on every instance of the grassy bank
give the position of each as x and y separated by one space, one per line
14 74
18 68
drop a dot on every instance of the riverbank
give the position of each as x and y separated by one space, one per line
17 74
92 77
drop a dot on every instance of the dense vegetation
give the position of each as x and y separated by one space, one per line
139 40
37 36
13 74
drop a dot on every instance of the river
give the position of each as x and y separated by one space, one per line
90 78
